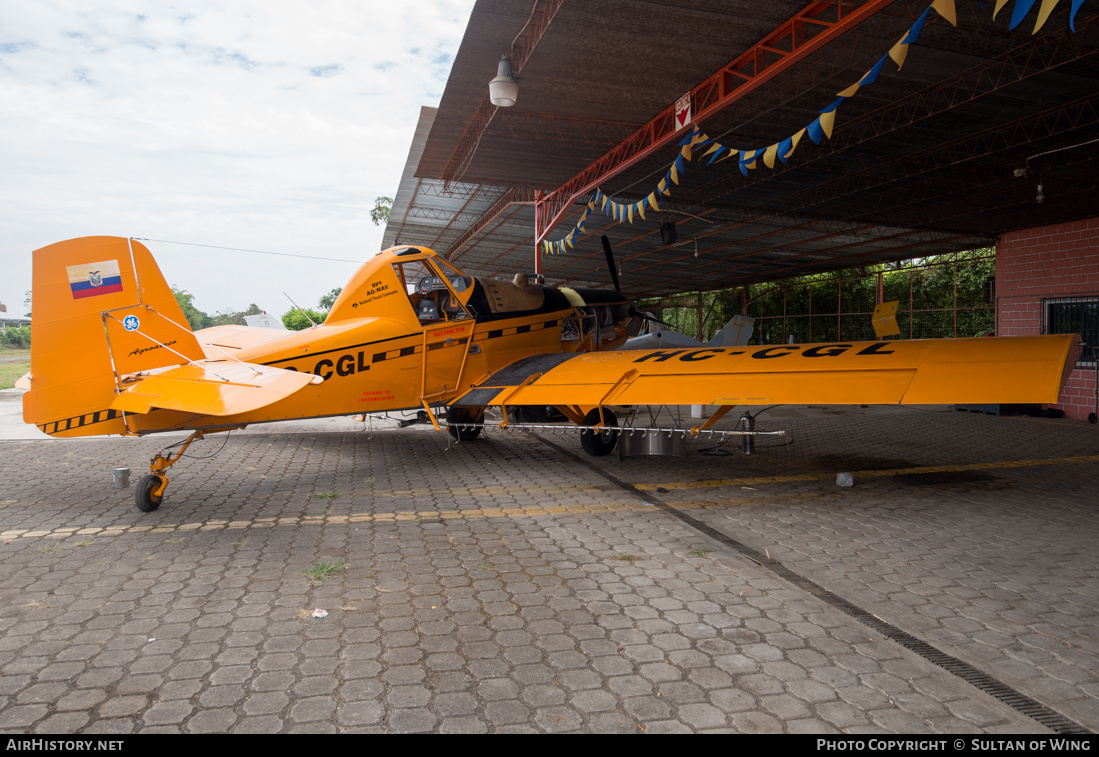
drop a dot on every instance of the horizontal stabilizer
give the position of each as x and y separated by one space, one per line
212 387
217 340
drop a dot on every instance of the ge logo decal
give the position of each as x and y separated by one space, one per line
131 323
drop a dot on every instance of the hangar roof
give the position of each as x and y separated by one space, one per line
923 161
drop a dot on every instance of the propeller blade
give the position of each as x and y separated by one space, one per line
614 279
646 317
610 263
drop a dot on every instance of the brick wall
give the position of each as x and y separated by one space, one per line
1048 261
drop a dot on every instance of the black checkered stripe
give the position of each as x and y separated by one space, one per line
416 349
513 330
79 421
399 352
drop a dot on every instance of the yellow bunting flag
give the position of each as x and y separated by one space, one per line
849 91
652 201
898 53
827 121
1043 14
945 8
794 143
641 209
999 6
769 155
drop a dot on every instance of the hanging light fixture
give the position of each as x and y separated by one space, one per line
503 91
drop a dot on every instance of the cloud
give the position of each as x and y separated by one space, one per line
330 70
263 125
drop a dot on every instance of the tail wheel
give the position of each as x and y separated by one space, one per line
598 444
144 498
143 495
456 416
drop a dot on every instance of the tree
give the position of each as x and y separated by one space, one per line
27 304
19 338
329 299
195 317
379 214
295 319
236 318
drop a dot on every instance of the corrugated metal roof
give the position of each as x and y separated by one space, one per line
921 162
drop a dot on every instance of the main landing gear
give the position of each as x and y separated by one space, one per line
465 423
150 489
599 443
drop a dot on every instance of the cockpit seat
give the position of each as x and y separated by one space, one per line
426 310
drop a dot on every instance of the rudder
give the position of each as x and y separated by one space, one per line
102 311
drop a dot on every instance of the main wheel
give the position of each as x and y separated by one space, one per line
602 443
460 415
143 495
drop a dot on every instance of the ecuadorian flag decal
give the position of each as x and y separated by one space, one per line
93 279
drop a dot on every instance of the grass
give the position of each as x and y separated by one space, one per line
700 552
326 495
10 371
322 569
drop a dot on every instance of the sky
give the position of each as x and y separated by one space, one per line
258 124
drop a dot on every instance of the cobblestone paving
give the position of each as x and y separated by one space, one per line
501 585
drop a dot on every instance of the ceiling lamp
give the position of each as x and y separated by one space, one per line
503 91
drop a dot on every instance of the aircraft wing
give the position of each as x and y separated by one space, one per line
211 387
916 372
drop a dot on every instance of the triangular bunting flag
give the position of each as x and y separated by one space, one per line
898 53
872 75
1022 7
815 132
769 155
946 9
914 31
794 142
785 147
1072 14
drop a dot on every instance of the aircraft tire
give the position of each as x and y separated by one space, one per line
460 415
464 434
143 494
598 445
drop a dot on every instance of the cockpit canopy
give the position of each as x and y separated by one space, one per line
408 284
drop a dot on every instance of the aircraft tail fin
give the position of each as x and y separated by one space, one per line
735 333
102 311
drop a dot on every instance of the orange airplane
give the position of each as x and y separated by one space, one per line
111 353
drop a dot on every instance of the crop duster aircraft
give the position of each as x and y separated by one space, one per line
111 353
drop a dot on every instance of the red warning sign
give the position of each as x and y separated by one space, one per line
682 111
